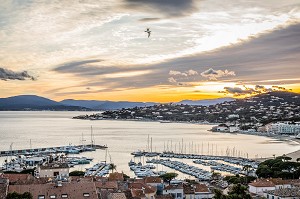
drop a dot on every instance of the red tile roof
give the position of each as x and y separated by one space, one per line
177 186
140 186
117 196
262 183
137 193
107 185
116 177
75 190
3 190
14 178
153 180
201 188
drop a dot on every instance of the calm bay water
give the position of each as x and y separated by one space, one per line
47 129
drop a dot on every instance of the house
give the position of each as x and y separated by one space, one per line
222 128
176 190
17 178
283 193
233 129
116 176
3 187
70 190
202 191
142 190
189 191
258 187
155 182
53 170
117 196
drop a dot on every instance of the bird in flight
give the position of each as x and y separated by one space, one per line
148 31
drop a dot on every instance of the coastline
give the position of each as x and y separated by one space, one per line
285 138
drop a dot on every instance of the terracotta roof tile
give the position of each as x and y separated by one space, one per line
201 188
153 180
107 185
262 183
116 177
13 178
75 190
177 186
117 196
137 193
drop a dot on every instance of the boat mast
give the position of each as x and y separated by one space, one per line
92 141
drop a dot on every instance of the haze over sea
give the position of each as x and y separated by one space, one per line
49 129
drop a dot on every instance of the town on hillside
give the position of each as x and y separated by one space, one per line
270 114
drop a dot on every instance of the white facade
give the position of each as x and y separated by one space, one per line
176 193
283 128
233 129
222 128
52 172
207 195
259 190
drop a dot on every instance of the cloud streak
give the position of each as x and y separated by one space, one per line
212 74
6 74
170 8
258 89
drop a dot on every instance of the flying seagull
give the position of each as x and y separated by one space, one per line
148 31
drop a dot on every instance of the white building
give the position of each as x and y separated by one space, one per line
202 192
283 128
53 170
258 187
262 186
175 190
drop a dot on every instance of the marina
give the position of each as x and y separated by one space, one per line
69 149
225 164
124 137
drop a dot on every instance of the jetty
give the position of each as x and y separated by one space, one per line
57 149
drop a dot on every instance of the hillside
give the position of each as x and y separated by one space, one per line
256 110
32 102
205 102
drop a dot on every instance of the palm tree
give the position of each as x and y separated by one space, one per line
247 168
112 167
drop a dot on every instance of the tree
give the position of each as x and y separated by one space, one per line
167 177
126 177
77 173
16 195
247 168
215 176
239 192
219 194
112 167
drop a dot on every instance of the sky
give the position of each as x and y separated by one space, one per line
198 49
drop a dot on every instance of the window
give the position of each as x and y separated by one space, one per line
179 195
64 195
53 196
86 195
55 173
41 197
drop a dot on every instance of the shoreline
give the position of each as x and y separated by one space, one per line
284 138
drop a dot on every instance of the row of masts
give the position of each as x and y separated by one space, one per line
193 148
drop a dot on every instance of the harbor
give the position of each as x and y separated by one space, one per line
69 149
200 167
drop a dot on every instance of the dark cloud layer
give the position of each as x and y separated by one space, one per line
6 74
271 56
258 89
172 8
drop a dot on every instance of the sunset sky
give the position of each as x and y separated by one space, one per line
198 49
